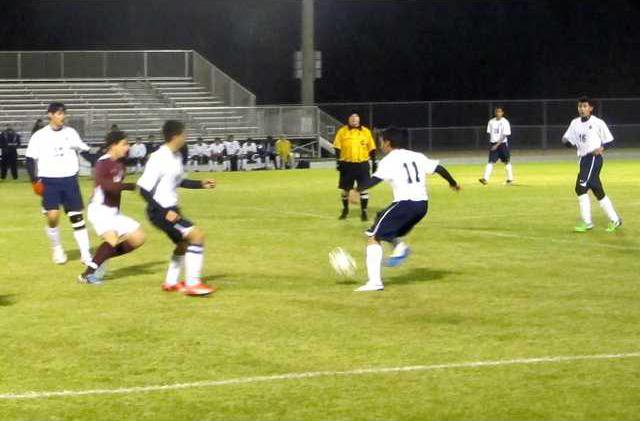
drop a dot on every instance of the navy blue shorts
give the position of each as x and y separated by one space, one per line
590 167
397 220
63 191
502 153
175 231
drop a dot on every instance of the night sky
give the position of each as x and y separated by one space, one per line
374 50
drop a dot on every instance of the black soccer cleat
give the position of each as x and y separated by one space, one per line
363 216
482 181
343 215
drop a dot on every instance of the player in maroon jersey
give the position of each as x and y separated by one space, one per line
120 233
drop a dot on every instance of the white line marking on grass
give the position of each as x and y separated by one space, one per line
547 239
310 375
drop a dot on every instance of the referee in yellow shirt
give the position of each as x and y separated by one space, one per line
354 146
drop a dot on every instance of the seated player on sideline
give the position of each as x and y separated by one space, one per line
162 176
591 136
120 234
405 170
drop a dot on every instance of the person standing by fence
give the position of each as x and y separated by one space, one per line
9 144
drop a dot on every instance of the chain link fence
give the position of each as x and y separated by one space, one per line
458 125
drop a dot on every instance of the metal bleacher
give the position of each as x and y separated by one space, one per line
138 90
139 107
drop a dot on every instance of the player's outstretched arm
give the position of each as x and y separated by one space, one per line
442 172
373 181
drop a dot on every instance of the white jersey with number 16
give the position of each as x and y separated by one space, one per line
406 171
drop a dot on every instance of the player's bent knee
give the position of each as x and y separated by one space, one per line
196 236
580 190
77 220
137 238
111 238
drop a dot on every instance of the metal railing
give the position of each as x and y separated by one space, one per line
95 64
220 84
536 124
294 121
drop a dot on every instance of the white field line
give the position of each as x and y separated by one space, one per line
545 239
310 375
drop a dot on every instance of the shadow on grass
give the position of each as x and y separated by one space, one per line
419 275
7 300
147 268
215 278
414 276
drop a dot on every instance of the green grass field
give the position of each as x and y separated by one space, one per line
497 274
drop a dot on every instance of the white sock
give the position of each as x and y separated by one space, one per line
374 262
585 208
509 169
399 249
54 235
173 272
82 239
487 171
193 264
608 209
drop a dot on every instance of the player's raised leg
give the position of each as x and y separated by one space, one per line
113 245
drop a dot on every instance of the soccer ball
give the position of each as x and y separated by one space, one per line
342 262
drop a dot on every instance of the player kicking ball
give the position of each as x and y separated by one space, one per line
52 164
158 185
591 136
499 131
120 234
405 170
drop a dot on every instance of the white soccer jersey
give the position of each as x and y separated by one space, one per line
499 130
162 175
56 151
202 149
233 147
216 149
138 150
588 135
406 171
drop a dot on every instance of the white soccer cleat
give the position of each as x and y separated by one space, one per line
369 287
59 256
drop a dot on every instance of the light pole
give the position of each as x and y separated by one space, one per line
307 94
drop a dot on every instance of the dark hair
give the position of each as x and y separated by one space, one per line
54 107
498 107
113 138
171 129
396 137
585 98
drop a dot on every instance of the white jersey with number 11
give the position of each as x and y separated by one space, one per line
406 171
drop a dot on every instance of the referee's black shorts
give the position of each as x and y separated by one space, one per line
352 173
